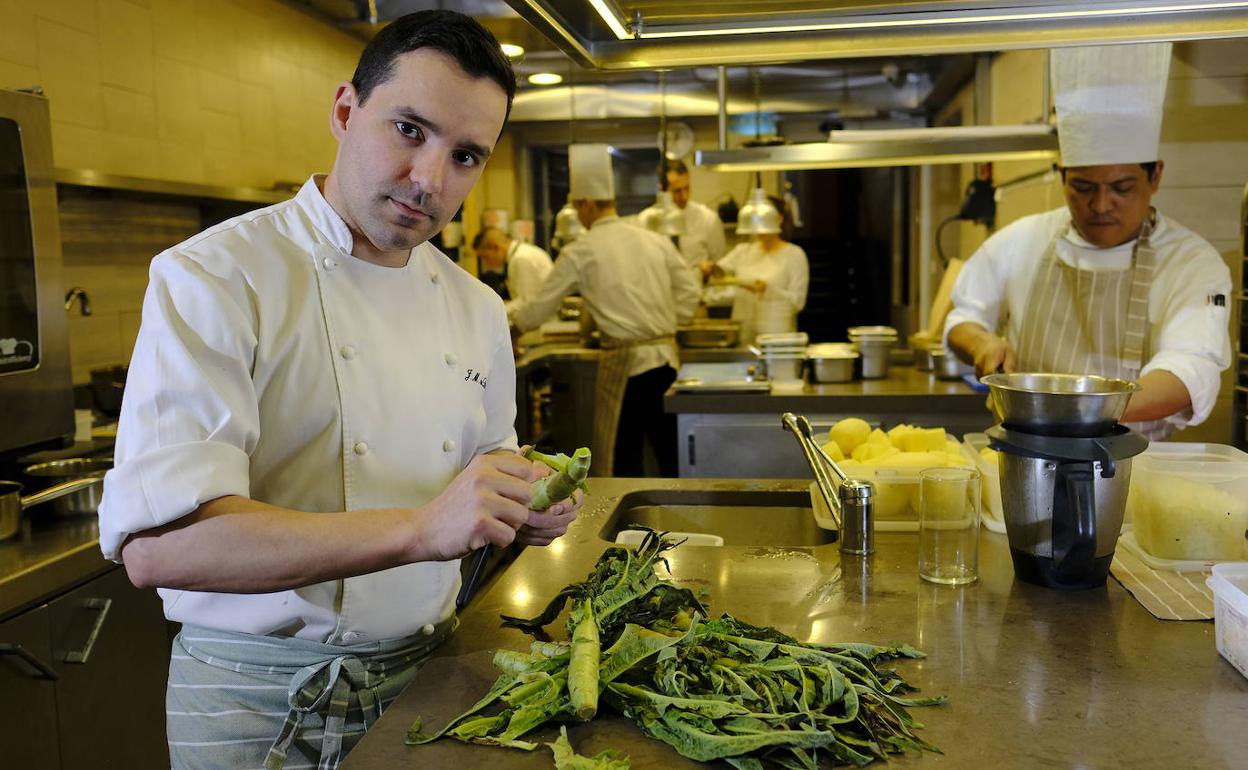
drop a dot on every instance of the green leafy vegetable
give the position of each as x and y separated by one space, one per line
710 688
567 759
569 476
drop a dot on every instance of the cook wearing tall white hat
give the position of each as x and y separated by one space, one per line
1106 284
637 288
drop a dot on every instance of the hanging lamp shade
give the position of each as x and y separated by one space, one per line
568 226
758 216
663 217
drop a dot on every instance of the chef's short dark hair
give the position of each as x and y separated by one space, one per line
486 234
669 166
473 47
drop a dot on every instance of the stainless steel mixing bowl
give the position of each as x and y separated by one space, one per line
1059 404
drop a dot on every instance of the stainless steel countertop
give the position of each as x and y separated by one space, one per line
905 388
49 555
1035 677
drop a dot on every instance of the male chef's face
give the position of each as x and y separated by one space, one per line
493 254
678 186
1110 203
409 154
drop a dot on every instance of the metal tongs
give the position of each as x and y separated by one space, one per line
819 462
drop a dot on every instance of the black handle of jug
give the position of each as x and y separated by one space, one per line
1074 521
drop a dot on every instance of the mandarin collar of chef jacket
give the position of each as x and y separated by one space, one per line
311 198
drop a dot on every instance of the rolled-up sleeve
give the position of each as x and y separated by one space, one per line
190 417
1191 337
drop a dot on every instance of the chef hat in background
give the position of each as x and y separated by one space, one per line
589 169
1109 102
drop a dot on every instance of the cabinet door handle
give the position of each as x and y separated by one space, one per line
103 605
15 648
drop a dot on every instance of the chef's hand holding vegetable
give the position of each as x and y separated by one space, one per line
488 503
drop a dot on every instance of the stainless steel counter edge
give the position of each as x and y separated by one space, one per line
47 557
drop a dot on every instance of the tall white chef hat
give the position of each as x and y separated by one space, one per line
1109 102
589 169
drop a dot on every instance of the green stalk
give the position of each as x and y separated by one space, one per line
560 485
583 668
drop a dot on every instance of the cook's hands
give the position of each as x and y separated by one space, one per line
544 527
757 286
994 354
486 504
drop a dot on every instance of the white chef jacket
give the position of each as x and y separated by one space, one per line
786 272
527 268
1189 336
273 364
703 239
635 284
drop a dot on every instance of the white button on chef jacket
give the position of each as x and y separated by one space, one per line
271 299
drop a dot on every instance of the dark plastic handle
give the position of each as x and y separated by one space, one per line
1074 521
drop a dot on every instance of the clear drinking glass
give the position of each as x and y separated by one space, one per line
949 525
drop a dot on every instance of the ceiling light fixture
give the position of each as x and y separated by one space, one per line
511 50
622 33
545 78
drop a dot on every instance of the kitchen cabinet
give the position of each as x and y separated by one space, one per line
28 692
87 688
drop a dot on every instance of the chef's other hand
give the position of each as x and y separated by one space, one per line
992 355
757 286
544 527
486 504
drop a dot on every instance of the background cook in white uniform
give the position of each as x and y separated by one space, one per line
1189 335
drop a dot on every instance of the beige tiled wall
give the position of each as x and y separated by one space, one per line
108 244
224 92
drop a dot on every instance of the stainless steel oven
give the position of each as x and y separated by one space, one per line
36 391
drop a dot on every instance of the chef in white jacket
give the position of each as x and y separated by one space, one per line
318 421
636 288
512 268
1107 284
773 277
703 239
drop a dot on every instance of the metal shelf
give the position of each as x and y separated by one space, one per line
74 177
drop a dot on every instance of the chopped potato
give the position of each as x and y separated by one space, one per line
1179 518
849 433
833 450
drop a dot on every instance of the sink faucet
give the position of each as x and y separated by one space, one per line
852 504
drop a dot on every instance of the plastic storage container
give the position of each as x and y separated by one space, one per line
896 496
990 485
1188 505
1229 583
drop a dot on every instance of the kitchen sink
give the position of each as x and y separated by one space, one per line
740 517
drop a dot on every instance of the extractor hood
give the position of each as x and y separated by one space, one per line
893 147
648 34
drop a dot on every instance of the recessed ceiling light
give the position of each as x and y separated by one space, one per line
512 50
545 78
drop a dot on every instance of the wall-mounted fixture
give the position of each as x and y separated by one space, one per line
893 147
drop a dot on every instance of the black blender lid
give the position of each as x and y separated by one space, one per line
1119 443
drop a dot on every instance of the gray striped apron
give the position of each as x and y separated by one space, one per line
615 361
1091 322
246 702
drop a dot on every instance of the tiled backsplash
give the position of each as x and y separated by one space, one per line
107 245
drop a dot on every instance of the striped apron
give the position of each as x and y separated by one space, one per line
246 702
1086 322
615 362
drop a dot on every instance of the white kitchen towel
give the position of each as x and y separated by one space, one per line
1167 595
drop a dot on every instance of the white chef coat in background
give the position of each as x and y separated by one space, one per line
703 239
635 284
273 364
527 268
1189 336
786 271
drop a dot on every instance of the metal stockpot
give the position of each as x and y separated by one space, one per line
12 503
83 501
